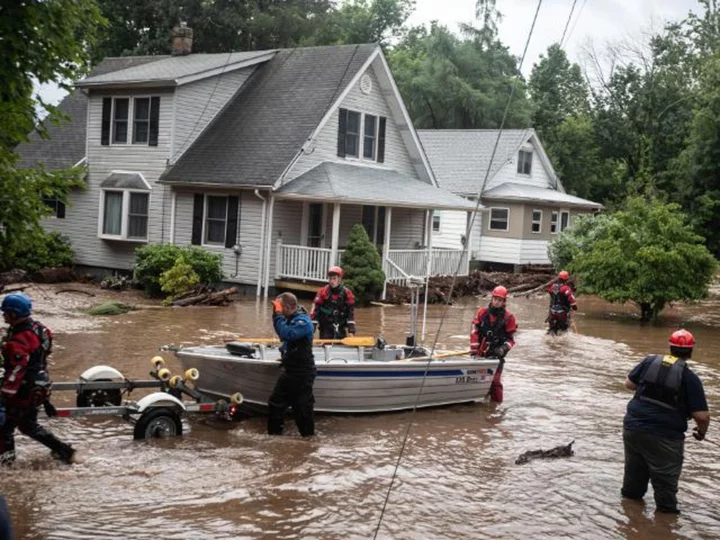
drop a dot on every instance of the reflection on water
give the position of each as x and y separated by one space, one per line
457 478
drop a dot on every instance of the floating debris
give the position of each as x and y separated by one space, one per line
557 452
109 308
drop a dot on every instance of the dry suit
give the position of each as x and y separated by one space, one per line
492 337
334 311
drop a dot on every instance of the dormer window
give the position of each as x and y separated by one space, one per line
361 136
117 113
524 162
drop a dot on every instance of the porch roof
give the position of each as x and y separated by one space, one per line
354 184
522 192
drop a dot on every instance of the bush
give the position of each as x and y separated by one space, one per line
153 260
49 249
180 278
362 266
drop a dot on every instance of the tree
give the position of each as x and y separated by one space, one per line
366 21
362 266
44 42
646 254
577 239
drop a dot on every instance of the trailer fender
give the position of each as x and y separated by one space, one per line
159 399
101 372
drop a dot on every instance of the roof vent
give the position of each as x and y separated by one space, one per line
182 38
366 84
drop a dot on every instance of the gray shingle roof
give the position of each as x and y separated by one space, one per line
170 68
460 157
355 184
262 129
125 180
522 192
66 145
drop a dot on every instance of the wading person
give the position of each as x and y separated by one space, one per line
562 303
25 350
334 307
492 336
294 387
667 393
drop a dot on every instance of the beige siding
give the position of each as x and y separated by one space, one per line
516 220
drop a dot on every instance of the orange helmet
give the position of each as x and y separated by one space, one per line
563 274
335 270
500 291
682 338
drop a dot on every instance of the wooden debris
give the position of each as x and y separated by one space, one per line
78 291
208 298
557 452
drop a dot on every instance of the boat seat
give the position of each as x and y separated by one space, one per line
241 349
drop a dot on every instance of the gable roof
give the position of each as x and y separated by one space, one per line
460 157
511 191
65 146
338 182
261 131
174 70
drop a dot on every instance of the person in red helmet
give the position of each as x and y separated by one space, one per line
667 393
491 336
333 310
562 304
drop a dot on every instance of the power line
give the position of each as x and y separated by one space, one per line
562 39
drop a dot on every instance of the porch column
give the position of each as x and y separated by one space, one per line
469 238
335 235
386 246
428 228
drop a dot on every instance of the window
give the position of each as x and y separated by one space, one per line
553 223
56 205
499 218
536 226
125 214
349 133
141 120
436 223
215 219
120 119
524 162
564 220
370 137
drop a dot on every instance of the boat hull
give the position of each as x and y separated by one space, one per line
345 384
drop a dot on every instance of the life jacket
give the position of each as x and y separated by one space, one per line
558 301
491 333
334 308
662 382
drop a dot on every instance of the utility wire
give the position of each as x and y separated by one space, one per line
562 39
452 286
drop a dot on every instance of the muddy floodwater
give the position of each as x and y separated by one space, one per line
457 477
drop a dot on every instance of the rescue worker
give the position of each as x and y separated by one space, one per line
667 393
562 303
492 336
5 525
334 307
294 387
24 387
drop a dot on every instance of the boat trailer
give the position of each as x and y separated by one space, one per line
100 392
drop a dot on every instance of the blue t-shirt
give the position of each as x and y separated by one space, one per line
652 418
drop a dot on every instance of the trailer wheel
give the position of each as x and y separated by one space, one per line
159 422
99 397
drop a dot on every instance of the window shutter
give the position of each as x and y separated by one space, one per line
60 213
198 204
342 130
381 141
232 222
105 132
154 121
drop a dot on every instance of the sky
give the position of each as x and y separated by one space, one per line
594 21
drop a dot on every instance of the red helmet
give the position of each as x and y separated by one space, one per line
335 270
500 291
563 274
682 338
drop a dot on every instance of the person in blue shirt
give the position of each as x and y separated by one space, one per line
667 393
294 387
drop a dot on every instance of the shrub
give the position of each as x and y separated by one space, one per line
49 249
153 260
180 278
362 266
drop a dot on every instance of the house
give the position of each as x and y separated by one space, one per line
526 203
267 158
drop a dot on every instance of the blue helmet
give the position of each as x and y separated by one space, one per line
17 303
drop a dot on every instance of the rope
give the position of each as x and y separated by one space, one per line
452 286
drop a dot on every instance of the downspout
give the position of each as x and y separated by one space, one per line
262 242
268 246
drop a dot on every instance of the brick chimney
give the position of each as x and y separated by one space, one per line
182 38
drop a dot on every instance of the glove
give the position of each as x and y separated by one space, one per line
500 351
699 435
2 416
277 307
351 328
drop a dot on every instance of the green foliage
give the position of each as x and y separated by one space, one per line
153 260
50 249
577 239
179 279
645 254
362 266
109 308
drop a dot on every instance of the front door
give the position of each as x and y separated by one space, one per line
373 220
315 225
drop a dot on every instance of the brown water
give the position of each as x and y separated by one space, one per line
456 478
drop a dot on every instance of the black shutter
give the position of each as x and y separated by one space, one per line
154 121
105 133
342 130
198 209
232 222
60 212
381 141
